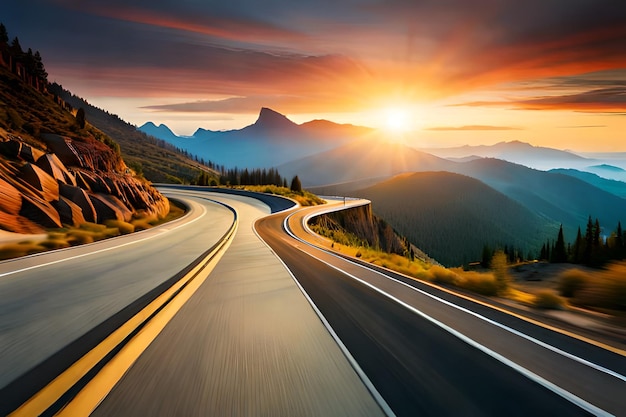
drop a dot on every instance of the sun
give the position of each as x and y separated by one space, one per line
398 120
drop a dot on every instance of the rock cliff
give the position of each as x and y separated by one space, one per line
71 182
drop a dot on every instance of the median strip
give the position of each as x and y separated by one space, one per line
117 352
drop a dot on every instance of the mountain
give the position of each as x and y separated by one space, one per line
555 197
558 197
272 140
451 216
161 131
362 159
522 153
608 171
612 186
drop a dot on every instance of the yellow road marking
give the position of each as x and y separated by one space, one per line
45 398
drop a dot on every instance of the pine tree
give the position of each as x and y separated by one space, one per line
80 118
486 257
40 70
4 35
296 185
588 249
577 251
16 48
559 253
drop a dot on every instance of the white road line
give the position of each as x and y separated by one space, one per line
17 271
361 374
527 373
486 319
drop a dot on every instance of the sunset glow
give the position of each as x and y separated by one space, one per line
549 73
398 120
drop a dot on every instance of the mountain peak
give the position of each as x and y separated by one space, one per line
147 125
273 119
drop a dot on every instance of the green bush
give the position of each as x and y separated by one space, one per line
547 300
571 281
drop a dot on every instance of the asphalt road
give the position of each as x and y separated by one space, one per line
250 340
426 356
246 344
51 303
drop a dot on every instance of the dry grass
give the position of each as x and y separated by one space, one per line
603 290
14 250
304 198
570 282
86 233
548 300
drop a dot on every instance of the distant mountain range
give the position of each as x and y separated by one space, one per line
272 140
497 192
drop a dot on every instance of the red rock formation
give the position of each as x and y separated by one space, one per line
83 182
55 168
37 178
79 197
109 208
14 149
10 198
40 212
69 212
18 224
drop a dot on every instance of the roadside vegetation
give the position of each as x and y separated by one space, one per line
303 197
85 233
601 290
489 283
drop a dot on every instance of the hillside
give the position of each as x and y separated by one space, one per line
57 170
156 159
451 216
557 197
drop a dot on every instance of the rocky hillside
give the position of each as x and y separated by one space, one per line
55 169
72 183
359 226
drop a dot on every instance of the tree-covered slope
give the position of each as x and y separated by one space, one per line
451 217
156 159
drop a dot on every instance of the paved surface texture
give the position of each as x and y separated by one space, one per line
246 344
422 369
51 303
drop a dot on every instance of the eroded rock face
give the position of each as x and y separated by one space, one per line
10 198
87 154
55 168
80 182
15 149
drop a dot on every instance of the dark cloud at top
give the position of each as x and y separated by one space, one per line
276 47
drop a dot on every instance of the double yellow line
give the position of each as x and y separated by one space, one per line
151 319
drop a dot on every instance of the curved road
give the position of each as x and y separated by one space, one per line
51 302
430 352
291 330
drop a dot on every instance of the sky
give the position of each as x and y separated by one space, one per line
434 73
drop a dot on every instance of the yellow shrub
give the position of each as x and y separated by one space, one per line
548 300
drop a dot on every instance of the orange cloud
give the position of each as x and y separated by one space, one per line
606 100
